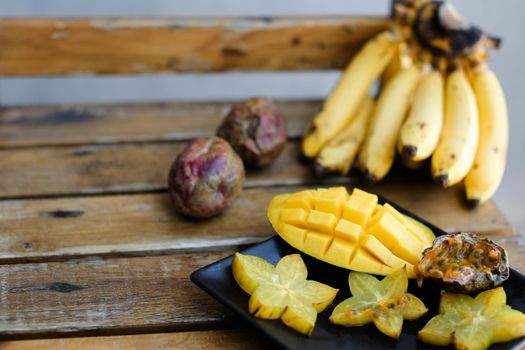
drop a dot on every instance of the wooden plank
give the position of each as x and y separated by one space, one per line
56 46
50 229
116 169
238 339
103 169
113 296
515 247
88 124
129 224
97 296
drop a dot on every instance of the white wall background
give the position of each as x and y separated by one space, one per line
503 18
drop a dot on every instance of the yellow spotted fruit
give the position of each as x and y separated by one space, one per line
400 60
379 149
489 164
353 86
420 132
458 143
339 154
349 231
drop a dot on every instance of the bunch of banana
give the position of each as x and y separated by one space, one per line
438 103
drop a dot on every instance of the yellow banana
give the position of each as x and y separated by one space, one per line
420 132
352 87
458 143
339 153
489 164
378 152
400 60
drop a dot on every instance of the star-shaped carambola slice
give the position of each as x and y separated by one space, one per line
282 291
474 323
385 303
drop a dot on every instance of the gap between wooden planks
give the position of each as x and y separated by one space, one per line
89 169
119 168
58 46
141 122
98 296
48 229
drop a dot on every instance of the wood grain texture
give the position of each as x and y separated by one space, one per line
88 124
57 46
97 296
515 247
125 224
120 168
103 169
239 339
48 229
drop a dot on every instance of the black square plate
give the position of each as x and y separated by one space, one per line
217 280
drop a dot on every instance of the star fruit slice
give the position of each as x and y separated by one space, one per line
385 303
282 291
474 323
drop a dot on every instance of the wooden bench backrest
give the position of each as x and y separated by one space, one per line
95 46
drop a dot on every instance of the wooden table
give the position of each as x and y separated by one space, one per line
91 251
91 245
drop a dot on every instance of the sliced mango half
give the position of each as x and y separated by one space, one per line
350 231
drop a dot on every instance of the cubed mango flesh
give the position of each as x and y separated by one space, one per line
347 230
301 200
294 216
358 210
340 251
330 201
396 237
317 243
293 235
350 231
321 221
365 262
370 197
417 229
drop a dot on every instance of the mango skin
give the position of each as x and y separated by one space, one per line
333 226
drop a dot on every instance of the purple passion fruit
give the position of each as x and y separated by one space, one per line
256 130
463 263
206 178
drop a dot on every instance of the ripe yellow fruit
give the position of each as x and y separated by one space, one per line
489 164
379 148
474 323
340 107
282 291
454 154
385 303
339 153
400 60
420 132
350 231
